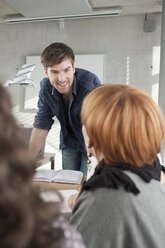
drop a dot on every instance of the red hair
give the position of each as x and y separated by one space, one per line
124 123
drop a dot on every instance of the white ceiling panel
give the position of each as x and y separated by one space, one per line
43 8
112 3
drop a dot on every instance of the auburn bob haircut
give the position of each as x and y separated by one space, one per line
124 123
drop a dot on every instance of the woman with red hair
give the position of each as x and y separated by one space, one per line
122 204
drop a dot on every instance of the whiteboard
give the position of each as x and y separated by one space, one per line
91 62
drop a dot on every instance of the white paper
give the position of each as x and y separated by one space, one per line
52 196
45 175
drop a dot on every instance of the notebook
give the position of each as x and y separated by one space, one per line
60 176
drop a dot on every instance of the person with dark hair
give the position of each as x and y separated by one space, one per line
61 95
26 221
122 204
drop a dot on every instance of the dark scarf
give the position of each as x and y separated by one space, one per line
112 176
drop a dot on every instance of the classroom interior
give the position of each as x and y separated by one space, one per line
127 33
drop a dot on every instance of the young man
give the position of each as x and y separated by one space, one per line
61 95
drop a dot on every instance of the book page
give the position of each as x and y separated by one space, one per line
45 175
69 176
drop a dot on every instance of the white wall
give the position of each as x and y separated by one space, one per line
128 49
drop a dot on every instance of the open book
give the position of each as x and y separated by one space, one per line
60 176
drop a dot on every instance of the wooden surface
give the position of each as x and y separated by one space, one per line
47 157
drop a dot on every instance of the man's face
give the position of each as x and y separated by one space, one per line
61 76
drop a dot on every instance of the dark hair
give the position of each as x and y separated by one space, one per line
25 219
55 53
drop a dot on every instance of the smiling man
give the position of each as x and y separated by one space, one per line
61 95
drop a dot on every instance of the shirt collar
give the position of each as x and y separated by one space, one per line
54 93
74 86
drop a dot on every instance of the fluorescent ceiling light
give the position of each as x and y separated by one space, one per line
94 14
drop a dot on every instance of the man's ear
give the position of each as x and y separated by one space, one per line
46 74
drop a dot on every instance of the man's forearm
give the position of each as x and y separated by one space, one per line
37 139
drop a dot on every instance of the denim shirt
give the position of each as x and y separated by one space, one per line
50 104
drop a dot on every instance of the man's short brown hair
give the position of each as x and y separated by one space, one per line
55 53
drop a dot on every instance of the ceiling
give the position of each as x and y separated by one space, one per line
47 8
